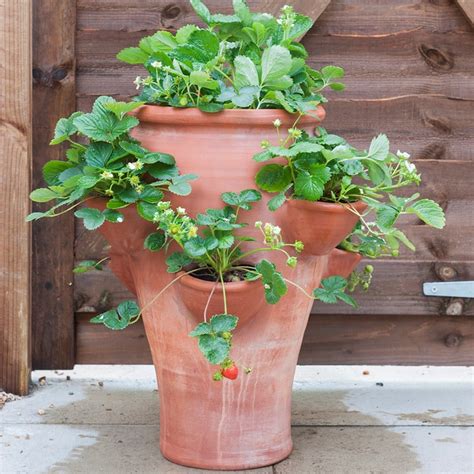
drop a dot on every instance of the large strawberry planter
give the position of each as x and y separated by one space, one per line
243 423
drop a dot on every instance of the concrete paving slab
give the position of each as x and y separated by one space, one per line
343 450
91 449
349 419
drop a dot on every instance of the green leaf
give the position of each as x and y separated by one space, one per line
195 247
201 10
273 282
386 216
155 241
276 62
276 202
352 167
98 154
214 348
226 241
242 11
337 86
210 107
163 41
301 25
176 261
429 212
332 289
112 215
310 185
280 84
183 34
180 184
223 322
296 149
273 178
155 157
43 195
34 216
116 203
52 169
120 109
132 56
378 172
201 329
103 125
93 218
245 72
87 182
243 199
146 210
203 79
379 148
119 318
264 155
332 72
64 129
86 266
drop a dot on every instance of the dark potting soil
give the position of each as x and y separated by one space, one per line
207 274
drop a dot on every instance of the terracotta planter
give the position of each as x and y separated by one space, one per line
230 424
320 226
244 298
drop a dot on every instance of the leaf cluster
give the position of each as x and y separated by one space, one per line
106 162
326 168
243 60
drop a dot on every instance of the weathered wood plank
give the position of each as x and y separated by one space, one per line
329 339
53 240
396 289
340 17
15 159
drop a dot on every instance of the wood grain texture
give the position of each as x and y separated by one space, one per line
15 159
467 6
53 239
329 339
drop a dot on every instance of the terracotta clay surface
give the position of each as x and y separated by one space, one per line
244 298
321 226
230 424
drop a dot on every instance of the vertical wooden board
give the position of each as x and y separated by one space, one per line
53 239
15 159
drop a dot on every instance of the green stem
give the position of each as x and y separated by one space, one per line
221 277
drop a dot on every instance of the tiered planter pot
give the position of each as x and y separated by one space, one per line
243 423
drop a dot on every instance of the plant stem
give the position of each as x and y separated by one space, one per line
221 277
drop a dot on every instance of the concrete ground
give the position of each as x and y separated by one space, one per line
104 419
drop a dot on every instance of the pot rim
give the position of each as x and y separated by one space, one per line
204 285
193 116
328 207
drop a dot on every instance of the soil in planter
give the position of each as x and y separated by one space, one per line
232 276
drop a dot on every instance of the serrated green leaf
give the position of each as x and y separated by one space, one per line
201 10
203 79
176 261
120 109
43 195
332 72
386 216
379 148
155 241
223 322
273 178
429 212
276 202
92 218
245 72
98 154
310 185
132 56
332 289
273 282
146 210
276 62
201 329
52 169
214 348
195 247
111 215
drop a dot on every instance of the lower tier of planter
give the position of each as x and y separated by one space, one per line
230 424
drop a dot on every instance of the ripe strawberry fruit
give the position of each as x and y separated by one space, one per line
230 372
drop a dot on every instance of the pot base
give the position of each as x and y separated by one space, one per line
255 460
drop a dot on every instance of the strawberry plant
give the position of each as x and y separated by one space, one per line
245 60
326 168
211 250
105 161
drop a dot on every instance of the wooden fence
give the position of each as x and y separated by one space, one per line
409 73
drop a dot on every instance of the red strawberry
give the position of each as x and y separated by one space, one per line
230 372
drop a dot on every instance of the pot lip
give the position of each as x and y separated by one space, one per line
328 207
206 286
193 116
